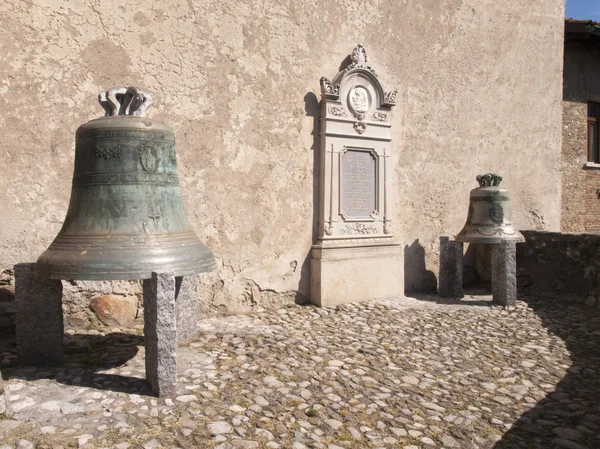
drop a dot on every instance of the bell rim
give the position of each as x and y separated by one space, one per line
490 240
133 122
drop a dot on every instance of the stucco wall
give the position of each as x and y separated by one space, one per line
479 90
580 200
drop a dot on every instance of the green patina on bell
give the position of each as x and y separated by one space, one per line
126 217
490 214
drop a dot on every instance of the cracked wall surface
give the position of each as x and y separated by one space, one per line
479 90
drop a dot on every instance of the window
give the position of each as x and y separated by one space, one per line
593 121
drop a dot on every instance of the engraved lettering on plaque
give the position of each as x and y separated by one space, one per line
358 184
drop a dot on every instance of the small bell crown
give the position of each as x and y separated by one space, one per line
125 217
490 214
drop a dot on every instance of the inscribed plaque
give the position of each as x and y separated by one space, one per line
358 184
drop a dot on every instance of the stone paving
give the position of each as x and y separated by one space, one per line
409 373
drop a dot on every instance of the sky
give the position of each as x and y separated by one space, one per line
583 9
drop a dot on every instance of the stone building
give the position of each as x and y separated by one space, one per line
479 85
581 114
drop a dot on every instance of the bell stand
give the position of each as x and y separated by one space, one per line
170 309
504 271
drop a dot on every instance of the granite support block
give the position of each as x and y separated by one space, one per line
504 273
451 265
187 308
38 318
160 333
3 401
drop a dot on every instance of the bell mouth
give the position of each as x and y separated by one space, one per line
70 258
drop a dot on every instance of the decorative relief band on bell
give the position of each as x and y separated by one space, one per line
489 199
124 101
126 178
125 133
109 153
496 231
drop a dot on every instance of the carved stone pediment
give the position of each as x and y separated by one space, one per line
330 89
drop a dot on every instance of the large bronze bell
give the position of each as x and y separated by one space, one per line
490 214
126 217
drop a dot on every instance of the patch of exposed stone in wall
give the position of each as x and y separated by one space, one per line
220 297
268 298
292 270
537 218
7 296
91 303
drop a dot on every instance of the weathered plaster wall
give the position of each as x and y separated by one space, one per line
479 90
580 200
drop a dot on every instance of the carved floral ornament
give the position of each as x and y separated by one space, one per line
379 116
329 89
358 228
360 127
338 111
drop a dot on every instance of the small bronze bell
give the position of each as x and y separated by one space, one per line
490 214
126 217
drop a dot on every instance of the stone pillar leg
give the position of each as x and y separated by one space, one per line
38 318
160 333
3 399
187 308
451 265
504 273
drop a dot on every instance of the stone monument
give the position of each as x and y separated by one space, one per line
356 256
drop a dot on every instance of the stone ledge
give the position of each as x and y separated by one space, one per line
551 236
559 263
591 166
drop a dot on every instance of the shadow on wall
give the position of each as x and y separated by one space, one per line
417 278
311 109
568 417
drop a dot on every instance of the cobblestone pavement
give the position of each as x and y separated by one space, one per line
409 373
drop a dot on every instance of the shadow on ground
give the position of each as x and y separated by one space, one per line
85 357
479 295
569 417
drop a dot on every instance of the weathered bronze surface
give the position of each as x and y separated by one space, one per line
126 217
490 214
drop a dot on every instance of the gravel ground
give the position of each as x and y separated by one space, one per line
408 373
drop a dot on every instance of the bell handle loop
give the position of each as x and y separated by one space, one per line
124 101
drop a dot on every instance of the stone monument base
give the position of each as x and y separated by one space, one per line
342 273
